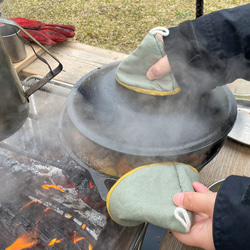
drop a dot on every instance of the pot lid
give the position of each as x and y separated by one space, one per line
139 124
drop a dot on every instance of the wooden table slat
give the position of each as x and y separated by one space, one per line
77 60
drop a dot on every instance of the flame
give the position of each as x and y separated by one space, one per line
45 210
29 204
52 186
83 226
27 240
90 247
75 239
38 219
55 240
91 185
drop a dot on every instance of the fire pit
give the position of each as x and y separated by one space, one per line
48 200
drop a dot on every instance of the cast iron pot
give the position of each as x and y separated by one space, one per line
186 127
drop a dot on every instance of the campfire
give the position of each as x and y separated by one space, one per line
48 201
41 206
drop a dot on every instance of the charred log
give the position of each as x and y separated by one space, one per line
39 202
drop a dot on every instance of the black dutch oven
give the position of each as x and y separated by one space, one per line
186 127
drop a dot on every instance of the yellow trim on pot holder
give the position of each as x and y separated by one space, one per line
150 91
134 170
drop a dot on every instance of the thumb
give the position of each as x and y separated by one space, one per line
196 202
159 69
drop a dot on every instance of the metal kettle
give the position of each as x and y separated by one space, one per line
14 102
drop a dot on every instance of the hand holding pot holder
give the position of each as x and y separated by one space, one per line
131 72
145 194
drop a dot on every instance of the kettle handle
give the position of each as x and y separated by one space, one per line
50 75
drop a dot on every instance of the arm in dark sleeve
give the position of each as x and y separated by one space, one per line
231 219
211 50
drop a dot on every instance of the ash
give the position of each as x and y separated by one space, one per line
41 198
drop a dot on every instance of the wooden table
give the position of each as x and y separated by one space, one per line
79 59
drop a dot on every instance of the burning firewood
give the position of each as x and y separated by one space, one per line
36 211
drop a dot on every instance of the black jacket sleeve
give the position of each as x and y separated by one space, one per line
231 220
211 50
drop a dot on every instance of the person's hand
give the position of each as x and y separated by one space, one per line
159 69
202 203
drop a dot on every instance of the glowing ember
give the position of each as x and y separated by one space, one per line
40 216
45 210
83 226
27 240
90 247
75 239
91 185
68 216
29 204
52 242
52 186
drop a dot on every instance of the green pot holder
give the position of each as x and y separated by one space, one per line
131 72
145 194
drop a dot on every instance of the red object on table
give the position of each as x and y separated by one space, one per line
55 36
39 36
67 26
47 34
63 31
27 23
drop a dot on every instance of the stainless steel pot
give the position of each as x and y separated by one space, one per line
14 107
